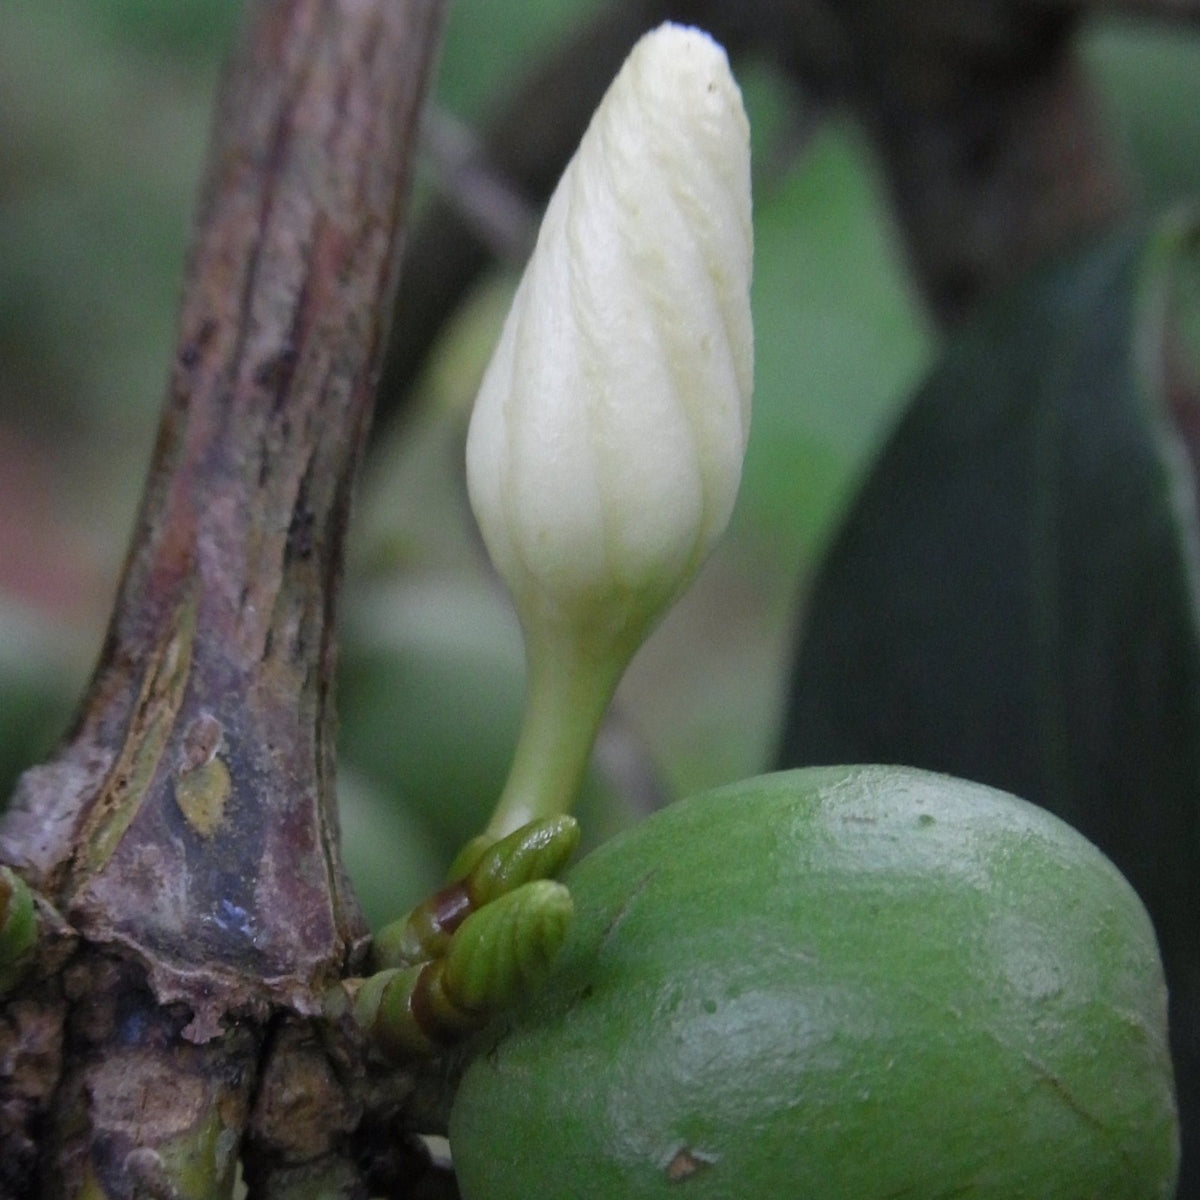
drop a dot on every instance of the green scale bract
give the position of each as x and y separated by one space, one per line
835 984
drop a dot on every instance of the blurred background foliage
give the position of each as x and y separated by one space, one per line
104 112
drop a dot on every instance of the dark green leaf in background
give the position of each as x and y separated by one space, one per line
1013 597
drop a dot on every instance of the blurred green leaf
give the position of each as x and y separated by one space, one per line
839 339
488 45
389 852
430 697
1014 596
37 685
185 29
1148 77
102 143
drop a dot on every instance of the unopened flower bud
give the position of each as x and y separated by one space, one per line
606 445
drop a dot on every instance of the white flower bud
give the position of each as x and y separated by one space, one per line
606 444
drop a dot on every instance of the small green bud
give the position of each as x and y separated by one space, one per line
499 954
424 932
504 950
539 850
535 851
18 928
468 857
383 1008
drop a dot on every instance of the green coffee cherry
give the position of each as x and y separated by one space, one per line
835 984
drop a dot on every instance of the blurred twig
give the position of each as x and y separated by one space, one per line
498 216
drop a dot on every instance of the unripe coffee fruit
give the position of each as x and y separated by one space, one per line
835 984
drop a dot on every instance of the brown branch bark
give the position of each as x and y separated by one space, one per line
186 830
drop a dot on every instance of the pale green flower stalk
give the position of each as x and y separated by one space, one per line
606 444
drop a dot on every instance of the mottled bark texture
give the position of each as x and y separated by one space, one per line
186 829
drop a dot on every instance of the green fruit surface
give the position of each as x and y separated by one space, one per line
850 983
